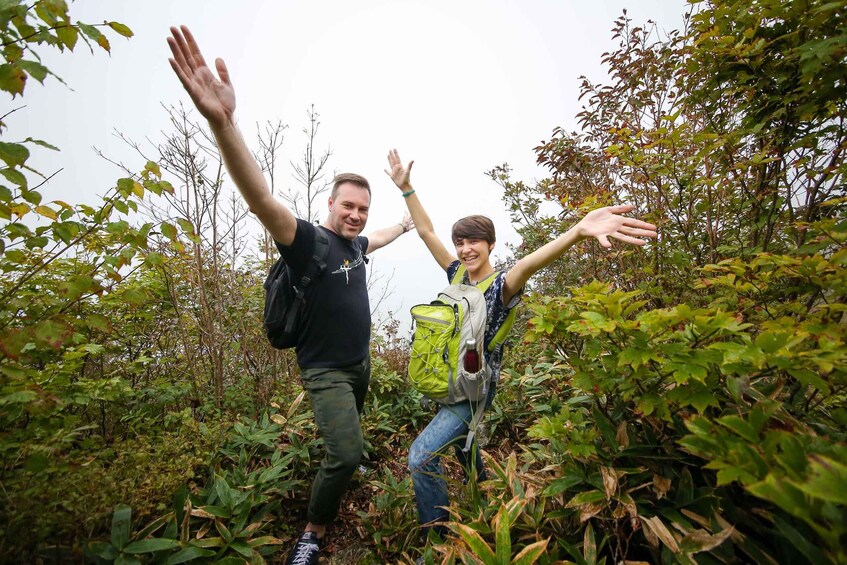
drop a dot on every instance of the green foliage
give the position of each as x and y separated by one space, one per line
689 408
391 518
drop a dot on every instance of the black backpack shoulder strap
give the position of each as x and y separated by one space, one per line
314 268
357 244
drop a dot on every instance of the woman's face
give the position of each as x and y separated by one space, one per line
473 253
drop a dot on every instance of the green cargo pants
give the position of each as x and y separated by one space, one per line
337 396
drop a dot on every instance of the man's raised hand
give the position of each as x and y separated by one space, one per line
213 97
607 222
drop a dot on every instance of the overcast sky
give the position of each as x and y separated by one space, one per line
458 86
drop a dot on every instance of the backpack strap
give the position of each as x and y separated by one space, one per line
313 269
461 277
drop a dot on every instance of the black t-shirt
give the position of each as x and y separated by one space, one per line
336 321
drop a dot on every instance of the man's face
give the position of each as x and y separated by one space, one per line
348 211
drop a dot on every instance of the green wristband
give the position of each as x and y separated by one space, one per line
407 194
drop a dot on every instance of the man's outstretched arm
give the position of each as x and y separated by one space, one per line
215 100
381 238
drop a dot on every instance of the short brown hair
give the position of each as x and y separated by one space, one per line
352 178
474 227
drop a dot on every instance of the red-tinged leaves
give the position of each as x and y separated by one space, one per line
53 332
77 286
13 341
12 79
99 322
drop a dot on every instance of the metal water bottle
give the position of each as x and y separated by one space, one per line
471 363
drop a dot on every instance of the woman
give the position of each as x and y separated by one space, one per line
473 240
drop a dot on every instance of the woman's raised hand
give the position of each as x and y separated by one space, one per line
398 173
607 222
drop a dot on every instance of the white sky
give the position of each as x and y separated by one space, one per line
458 86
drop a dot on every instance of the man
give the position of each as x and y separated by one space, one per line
332 351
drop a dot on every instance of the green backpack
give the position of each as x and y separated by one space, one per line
441 335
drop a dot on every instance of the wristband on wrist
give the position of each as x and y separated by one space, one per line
402 227
408 194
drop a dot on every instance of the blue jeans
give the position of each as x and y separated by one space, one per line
448 428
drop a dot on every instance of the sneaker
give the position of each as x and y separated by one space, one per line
306 551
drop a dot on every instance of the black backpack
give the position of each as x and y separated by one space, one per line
284 299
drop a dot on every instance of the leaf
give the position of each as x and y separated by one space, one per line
610 481
189 554
121 522
700 540
121 29
186 226
153 168
589 545
169 231
37 242
477 545
740 426
658 528
53 332
68 35
94 34
151 545
47 212
76 286
16 177
13 154
827 480
242 548
102 550
31 196
12 342
36 70
99 322
265 540
18 397
503 535
12 79
530 553
224 492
